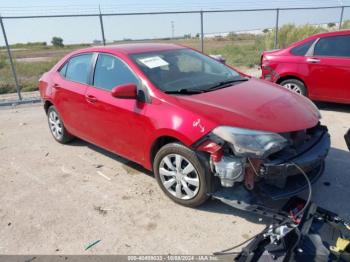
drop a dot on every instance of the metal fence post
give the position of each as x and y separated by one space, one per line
276 27
341 17
11 60
202 32
102 28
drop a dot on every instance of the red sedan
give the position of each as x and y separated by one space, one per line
198 124
317 67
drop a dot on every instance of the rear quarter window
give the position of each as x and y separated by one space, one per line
302 49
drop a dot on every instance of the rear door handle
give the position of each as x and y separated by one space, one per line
313 60
91 99
56 86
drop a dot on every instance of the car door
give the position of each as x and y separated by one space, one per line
69 87
329 69
116 124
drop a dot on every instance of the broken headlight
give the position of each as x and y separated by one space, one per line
251 143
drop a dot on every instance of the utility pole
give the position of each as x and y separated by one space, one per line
202 31
341 17
172 29
10 59
276 28
102 28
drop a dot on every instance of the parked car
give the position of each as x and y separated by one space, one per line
317 67
197 123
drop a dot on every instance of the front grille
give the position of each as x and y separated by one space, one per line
299 141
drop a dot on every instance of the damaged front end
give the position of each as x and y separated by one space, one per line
264 163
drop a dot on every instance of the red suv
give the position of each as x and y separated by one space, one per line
198 124
317 67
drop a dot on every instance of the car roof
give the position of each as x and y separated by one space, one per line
319 35
339 32
132 48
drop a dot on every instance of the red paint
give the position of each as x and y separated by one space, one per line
129 127
216 152
326 80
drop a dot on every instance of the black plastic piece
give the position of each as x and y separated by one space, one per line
293 185
347 139
241 198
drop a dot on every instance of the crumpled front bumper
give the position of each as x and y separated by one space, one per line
281 177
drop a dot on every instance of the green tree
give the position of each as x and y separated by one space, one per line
331 25
57 41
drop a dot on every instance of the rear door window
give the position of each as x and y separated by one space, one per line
78 68
111 72
338 46
302 49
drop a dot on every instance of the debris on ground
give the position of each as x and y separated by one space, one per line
103 175
101 210
92 244
327 183
98 165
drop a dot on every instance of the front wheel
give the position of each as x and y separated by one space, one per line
181 175
295 85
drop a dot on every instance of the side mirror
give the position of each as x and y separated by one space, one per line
126 91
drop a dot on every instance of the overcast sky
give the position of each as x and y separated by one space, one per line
80 30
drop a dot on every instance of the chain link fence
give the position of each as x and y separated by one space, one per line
212 32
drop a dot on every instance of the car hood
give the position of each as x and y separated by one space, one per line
254 104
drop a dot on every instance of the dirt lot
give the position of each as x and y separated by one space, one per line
56 199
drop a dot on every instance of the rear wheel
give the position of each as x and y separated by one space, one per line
57 128
295 85
181 175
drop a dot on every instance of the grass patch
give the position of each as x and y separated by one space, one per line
28 75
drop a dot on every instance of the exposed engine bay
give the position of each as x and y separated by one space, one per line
300 231
264 162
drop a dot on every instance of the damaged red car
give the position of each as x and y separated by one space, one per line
198 124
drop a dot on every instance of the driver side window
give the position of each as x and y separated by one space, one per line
111 71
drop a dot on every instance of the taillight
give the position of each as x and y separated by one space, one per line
264 62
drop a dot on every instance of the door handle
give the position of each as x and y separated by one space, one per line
56 86
91 99
313 60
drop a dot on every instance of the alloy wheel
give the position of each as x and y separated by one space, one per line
55 125
179 177
293 87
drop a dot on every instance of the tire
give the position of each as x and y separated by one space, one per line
295 85
56 126
169 173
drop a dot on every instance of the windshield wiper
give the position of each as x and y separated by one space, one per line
184 91
225 83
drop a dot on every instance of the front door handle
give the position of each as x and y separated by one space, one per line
313 60
91 99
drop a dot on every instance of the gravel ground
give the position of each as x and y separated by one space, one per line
56 199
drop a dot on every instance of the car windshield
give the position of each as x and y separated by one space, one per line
185 71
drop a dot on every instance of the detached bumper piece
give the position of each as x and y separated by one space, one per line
281 179
320 236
